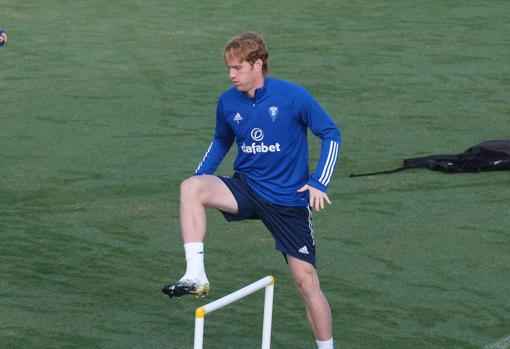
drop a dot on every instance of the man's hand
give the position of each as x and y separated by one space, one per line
317 197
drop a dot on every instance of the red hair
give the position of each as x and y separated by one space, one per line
247 47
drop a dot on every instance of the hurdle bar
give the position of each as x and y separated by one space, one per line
266 282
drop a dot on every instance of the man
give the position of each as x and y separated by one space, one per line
268 119
3 37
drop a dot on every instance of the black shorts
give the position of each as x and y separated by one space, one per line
291 226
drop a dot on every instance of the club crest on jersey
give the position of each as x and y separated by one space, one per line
238 118
273 112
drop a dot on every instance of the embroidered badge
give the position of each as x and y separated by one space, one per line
273 111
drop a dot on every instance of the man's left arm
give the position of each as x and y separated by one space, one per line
321 125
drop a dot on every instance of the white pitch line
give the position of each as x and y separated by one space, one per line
501 344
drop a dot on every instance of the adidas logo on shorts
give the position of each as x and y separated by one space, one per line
303 250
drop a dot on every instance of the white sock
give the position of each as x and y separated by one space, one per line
195 262
325 344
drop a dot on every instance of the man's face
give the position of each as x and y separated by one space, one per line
245 76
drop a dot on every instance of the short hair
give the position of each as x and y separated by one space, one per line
247 47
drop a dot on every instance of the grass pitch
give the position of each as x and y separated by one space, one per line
106 106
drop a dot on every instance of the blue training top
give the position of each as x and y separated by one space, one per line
270 132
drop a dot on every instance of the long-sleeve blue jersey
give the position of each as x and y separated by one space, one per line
270 131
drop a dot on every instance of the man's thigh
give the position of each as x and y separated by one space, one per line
301 270
245 198
291 227
212 192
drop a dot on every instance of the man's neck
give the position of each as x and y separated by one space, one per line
258 84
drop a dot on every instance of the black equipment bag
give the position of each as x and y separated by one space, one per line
487 156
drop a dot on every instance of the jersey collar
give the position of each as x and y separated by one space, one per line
260 92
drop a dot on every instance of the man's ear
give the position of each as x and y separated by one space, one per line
258 65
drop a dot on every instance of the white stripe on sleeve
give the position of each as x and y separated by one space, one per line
203 159
330 163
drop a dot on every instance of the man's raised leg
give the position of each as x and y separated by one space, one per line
197 194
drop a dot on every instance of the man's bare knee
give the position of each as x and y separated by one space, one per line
190 188
306 280
307 283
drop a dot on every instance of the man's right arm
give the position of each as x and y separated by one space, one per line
219 147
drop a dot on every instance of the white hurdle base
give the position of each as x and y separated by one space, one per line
266 282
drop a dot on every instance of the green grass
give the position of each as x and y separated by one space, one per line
106 106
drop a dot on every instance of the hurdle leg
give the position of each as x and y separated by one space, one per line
268 316
199 329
